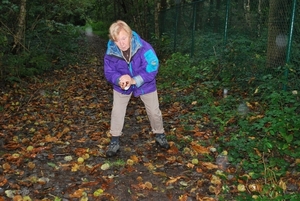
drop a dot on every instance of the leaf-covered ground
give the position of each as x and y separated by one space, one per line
54 131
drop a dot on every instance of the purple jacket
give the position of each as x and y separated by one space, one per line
143 66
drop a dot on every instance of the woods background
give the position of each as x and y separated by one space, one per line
247 37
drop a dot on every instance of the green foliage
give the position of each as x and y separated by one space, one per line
161 45
263 138
51 45
99 28
182 71
50 40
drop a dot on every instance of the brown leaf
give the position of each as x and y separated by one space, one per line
49 138
81 151
66 130
17 198
171 159
162 174
6 166
134 158
209 165
199 149
12 146
3 180
78 193
199 133
172 180
183 197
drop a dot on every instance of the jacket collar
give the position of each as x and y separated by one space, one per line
136 44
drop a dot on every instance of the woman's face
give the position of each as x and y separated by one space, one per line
123 40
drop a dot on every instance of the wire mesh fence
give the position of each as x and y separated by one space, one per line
250 38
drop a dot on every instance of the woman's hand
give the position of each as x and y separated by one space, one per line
125 82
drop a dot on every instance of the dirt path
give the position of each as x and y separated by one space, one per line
54 132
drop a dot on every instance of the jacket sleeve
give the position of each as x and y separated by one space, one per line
150 68
110 71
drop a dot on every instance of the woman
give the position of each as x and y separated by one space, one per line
131 65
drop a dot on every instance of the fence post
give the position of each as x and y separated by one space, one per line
288 53
194 28
226 21
177 4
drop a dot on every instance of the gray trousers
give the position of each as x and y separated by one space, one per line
120 102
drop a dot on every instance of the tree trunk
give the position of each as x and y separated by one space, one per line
277 33
217 17
20 28
162 15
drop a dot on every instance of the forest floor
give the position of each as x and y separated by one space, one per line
54 132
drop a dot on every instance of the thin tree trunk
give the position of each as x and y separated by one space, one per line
277 33
156 19
20 28
162 15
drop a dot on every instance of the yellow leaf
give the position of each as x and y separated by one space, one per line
130 162
148 185
256 117
215 180
105 166
282 185
75 167
241 188
80 160
98 192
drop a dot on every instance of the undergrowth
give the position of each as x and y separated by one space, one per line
257 123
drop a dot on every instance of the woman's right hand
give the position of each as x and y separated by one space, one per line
125 81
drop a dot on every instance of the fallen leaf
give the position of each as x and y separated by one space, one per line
80 160
18 198
215 180
31 165
148 185
134 158
98 192
199 133
49 138
172 180
6 166
105 166
75 167
241 188
183 183
68 158
77 194
65 130
209 165
162 174
199 149
3 180
129 162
